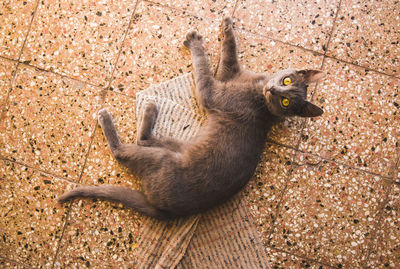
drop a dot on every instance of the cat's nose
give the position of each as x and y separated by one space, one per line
272 90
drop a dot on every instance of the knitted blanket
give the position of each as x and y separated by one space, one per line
224 237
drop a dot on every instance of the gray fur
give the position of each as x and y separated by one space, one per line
184 178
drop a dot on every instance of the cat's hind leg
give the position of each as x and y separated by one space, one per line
145 136
128 155
228 64
110 132
149 117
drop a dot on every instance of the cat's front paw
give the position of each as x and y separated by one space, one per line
103 116
151 109
227 24
193 37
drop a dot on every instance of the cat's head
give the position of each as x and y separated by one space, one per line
286 93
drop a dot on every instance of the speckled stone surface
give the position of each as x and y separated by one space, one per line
280 259
368 34
360 123
78 38
5 263
387 243
15 19
95 228
301 22
50 128
151 56
329 212
99 234
215 9
334 205
267 187
31 220
6 72
101 167
260 54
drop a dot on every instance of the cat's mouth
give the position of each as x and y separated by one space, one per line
268 90
268 94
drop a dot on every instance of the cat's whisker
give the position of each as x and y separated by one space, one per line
185 178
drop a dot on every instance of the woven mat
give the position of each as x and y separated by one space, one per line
224 237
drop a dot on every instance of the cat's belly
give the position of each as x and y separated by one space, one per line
211 169
206 184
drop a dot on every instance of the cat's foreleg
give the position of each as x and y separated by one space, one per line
204 78
228 64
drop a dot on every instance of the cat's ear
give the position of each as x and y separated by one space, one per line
309 110
311 76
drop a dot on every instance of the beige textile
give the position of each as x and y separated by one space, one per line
224 237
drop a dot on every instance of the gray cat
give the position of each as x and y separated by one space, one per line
184 178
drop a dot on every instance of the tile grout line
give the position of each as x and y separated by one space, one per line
87 153
235 8
8 59
109 86
183 11
327 44
54 176
14 261
282 193
70 204
14 73
63 76
59 74
372 244
103 95
363 67
238 29
132 18
302 257
271 231
331 33
297 146
66 214
38 170
392 175
29 30
281 42
333 161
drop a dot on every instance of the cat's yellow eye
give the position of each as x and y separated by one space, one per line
287 81
285 102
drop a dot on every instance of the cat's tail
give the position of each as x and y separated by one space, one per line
128 197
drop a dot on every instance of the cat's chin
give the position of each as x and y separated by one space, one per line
271 108
267 95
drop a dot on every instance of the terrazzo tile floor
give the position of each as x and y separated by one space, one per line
327 190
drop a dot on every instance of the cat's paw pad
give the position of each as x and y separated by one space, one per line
151 109
192 37
227 24
103 114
